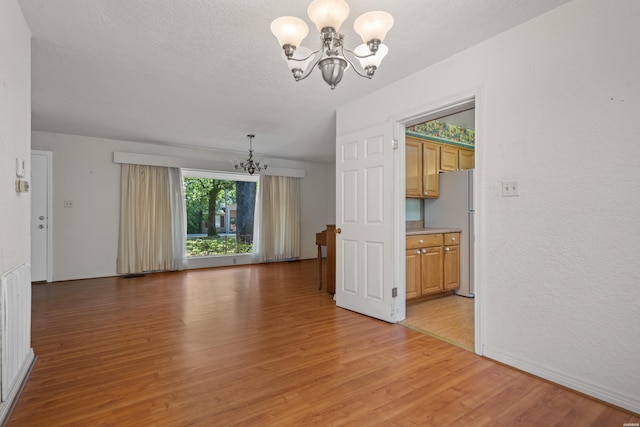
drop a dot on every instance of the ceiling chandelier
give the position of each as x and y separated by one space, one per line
251 166
328 15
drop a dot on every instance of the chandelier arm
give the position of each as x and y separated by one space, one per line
352 64
303 59
304 76
358 56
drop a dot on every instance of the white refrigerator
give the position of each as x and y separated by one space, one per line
455 208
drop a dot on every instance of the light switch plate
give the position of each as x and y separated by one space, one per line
20 168
510 189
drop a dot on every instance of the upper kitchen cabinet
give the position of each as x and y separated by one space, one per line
454 158
413 168
425 158
422 164
466 158
448 158
430 164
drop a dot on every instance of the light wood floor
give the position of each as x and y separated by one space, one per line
261 346
449 318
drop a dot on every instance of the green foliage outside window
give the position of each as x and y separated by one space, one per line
218 246
201 209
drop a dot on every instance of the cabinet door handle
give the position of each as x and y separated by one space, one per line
421 241
453 239
418 252
424 251
446 249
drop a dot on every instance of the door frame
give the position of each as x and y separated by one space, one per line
49 258
458 102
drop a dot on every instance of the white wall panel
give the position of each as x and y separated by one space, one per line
350 279
350 205
374 199
375 264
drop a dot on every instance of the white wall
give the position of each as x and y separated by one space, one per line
15 134
15 142
559 106
85 237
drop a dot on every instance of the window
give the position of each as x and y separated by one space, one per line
220 212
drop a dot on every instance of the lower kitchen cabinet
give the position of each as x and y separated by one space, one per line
451 267
432 270
432 264
413 273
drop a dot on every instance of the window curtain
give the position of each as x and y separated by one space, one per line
178 220
277 224
152 220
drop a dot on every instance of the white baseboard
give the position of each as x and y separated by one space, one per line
631 403
7 406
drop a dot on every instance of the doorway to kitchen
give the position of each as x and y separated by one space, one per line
441 299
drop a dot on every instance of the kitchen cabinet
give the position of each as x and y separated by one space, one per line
421 168
466 158
432 264
432 270
431 181
451 261
413 273
448 158
454 158
413 170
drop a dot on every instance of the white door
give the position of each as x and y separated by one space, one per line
365 261
40 215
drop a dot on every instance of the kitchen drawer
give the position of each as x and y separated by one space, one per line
452 239
424 241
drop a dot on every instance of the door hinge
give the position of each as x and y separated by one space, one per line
394 292
394 144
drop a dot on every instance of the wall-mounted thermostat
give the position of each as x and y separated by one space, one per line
22 186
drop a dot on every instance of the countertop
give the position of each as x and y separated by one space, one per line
431 230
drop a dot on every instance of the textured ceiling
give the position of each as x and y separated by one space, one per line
204 73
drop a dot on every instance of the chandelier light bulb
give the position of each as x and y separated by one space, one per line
328 13
373 26
290 31
369 60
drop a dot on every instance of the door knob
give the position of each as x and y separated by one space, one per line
338 230
41 217
41 226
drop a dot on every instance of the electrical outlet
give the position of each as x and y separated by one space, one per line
510 189
68 203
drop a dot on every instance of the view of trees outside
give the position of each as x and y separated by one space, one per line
220 216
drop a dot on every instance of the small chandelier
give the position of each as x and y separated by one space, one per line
250 165
328 15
